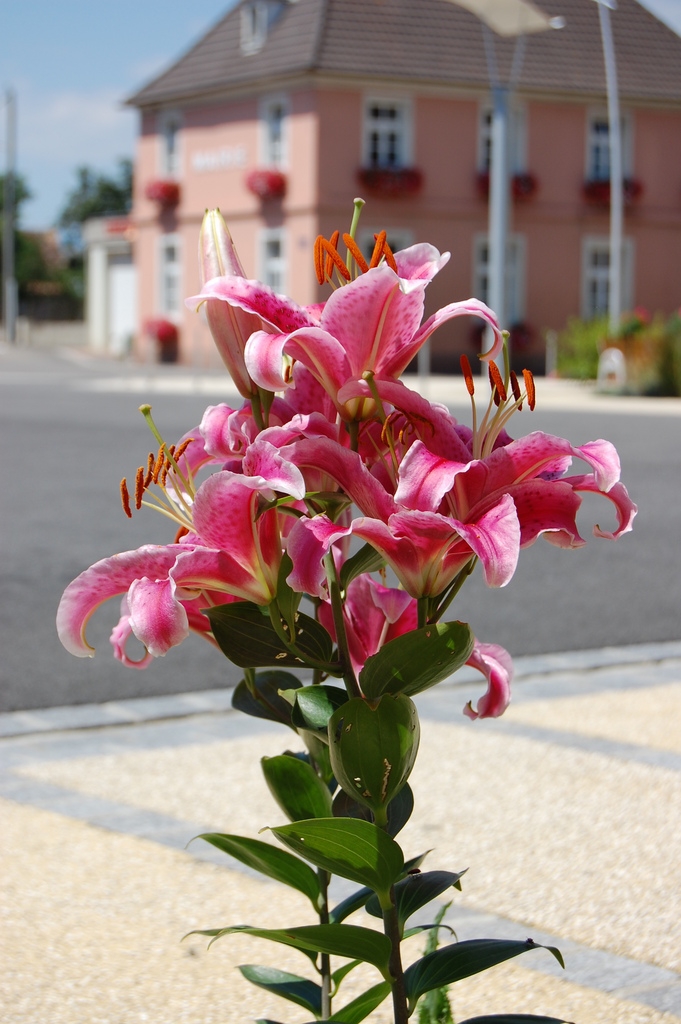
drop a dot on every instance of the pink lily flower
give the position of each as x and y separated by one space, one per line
372 324
496 665
229 325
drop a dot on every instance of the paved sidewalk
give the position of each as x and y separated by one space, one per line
566 812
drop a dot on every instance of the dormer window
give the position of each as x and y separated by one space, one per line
256 18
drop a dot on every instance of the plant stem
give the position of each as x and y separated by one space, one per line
391 927
325 960
351 683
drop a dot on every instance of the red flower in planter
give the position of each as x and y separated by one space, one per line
597 191
266 184
165 193
523 186
391 182
163 331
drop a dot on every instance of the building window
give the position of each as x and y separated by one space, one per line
170 267
387 133
596 276
257 17
517 139
598 146
273 121
170 123
273 259
514 273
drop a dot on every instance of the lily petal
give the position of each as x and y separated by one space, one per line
107 578
157 618
496 665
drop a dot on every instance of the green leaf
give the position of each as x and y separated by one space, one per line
414 661
296 787
289 986
363 1005
345 940
415 891
347 847
268 860
462 959
373 747
340 973
367 559
350 904
287 599
266 702
314 706
399 809
514 1018
248 638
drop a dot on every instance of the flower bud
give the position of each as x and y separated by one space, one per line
217 254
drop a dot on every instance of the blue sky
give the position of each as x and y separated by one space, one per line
71 64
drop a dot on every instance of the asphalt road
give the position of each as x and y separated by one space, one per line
66 446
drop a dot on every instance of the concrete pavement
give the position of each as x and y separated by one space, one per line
566 812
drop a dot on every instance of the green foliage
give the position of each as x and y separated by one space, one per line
347 847
292 987
579 347
461 960
98 195
262 698
296 787
417 660
247 637
268 860
373 747
22 193
415 891
434 1007
399 809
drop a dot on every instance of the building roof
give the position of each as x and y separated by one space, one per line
433 42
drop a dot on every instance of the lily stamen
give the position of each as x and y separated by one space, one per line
496 381
529 388
515 386
467 374
150 470
380 241
356 253
125 498
139 487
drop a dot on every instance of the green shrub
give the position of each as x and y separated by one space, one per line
579 347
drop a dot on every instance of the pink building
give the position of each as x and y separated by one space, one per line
390 100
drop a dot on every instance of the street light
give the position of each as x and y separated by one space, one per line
510 19
616 184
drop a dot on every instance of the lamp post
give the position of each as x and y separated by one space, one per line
616 184
509 19
9 284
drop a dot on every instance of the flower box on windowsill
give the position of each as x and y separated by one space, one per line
166 335
266 183
391 182
596 191
165 193
523 185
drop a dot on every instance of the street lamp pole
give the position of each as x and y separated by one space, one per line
616 182
9 284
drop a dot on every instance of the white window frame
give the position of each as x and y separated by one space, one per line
517 140
405 133
397 239
273 152
254 25
592 244
169 271
268 266
514 266
599 169
169 125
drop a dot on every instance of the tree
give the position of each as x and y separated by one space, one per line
96 195
21 193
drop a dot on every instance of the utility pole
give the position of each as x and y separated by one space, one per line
9 284
616 184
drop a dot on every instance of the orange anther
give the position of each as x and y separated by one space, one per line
389 258
158 465
378 249
139 487
467 374
150 470
529 387
183 448
356 253
496 381
333 242
333 257
516 389
182 532
125 498
319 259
